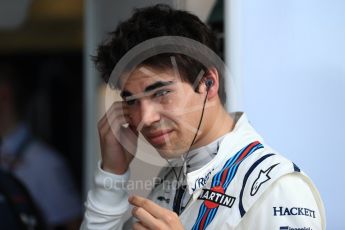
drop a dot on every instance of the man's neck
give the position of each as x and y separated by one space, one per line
217 122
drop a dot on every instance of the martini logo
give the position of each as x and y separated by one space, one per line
216 196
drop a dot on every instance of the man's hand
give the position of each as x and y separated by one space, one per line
152 216
113 136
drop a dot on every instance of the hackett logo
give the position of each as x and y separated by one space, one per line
294 211
215 196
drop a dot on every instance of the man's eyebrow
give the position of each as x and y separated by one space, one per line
129 96
126 93
157 84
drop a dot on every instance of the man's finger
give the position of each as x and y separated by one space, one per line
139 226
146 218
117 108
116 111
152 208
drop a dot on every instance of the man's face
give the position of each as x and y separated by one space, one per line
163 108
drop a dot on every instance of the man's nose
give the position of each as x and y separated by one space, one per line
149 113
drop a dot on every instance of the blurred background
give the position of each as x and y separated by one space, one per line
286 57
44 39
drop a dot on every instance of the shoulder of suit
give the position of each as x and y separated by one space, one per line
257 173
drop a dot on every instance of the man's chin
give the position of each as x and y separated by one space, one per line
167 150
169 153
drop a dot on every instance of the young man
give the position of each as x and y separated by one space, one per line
226 178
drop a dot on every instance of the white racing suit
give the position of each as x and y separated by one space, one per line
247 185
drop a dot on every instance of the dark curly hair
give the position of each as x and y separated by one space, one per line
156 21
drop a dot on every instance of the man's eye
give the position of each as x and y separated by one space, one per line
161 93
130 102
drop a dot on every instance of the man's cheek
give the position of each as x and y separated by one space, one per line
134 120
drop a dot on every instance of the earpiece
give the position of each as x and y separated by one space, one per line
208 83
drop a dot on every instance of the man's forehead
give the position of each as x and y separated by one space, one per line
147 91
144 76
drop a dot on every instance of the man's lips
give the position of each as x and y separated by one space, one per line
158 137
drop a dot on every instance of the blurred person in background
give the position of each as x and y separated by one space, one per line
38 166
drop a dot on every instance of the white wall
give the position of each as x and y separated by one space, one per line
291 61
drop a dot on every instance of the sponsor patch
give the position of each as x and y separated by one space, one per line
215 196
201 181
293 211
292 228
162 198
262 178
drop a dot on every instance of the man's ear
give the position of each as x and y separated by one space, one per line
210 83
